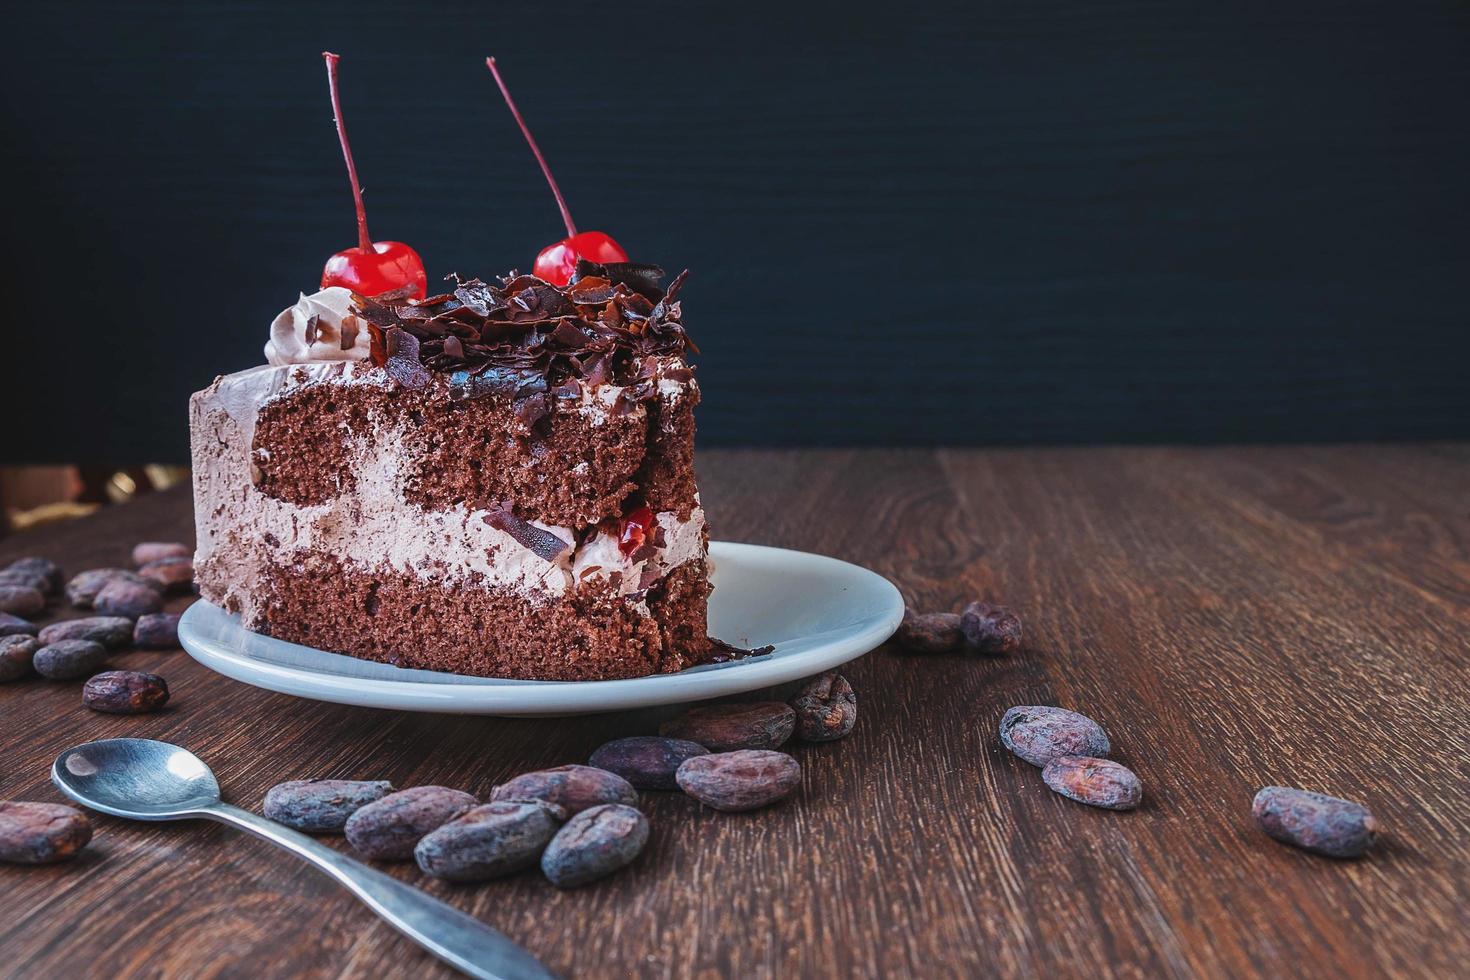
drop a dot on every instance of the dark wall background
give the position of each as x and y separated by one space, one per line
970 222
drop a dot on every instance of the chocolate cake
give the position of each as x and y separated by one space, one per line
497 480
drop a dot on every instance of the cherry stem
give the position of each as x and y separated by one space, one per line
561 202
364 240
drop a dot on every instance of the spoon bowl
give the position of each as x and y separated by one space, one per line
137 778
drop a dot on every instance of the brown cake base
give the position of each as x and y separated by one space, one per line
401 620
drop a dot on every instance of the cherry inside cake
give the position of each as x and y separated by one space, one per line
497 480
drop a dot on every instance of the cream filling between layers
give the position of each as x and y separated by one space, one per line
375 526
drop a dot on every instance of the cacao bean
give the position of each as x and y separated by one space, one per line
110 631
25 580
646 761
83 588
15 626
725 727
44 567
489 841
741 780
170 574
1315 822
388 829
1040 733
156 631
1096 782
572 788
65 660
929 632
120 597
321 806
21 601
125 692
41 833
594 844
826 708
990 629
149 552
16 654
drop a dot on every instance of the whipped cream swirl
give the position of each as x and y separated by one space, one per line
320 327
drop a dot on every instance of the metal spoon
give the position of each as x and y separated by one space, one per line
142 779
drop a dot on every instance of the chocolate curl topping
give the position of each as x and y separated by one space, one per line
545 544
606 326
403 364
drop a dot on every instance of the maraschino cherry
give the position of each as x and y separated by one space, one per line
556 263
372 268
635 529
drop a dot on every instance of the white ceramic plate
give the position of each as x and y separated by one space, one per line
818 612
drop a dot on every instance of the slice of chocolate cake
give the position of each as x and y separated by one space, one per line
495 481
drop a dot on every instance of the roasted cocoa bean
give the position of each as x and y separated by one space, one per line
489 841
21 601
929 632
16 654
826 708
646 761
725 727
41 833
1040 733
1096 782
149 552
321 806
170 574
123 598
573 788
990 628
44 567
156 631
16 626
110 631
594 844
66 660
25 580
83 588
743 780
1315 822
388 829
125 692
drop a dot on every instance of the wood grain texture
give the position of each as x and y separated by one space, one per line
1234 617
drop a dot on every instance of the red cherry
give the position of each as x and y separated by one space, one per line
556 263
372 267
388 266
635 530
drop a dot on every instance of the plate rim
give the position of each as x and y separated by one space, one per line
554 697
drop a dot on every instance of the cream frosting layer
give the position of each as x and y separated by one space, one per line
241 531
319 327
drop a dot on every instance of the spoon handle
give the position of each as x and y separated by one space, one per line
463 942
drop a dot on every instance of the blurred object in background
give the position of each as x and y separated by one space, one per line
32 495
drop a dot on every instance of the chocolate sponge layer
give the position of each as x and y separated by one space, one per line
574 470
402 620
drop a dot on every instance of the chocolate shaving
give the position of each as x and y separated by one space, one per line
722 653
403 364
405 291
641 277
313 322
539 540
349 332
611 324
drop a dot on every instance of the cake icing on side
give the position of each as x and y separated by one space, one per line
506 490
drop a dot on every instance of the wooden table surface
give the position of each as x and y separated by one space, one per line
1235 618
